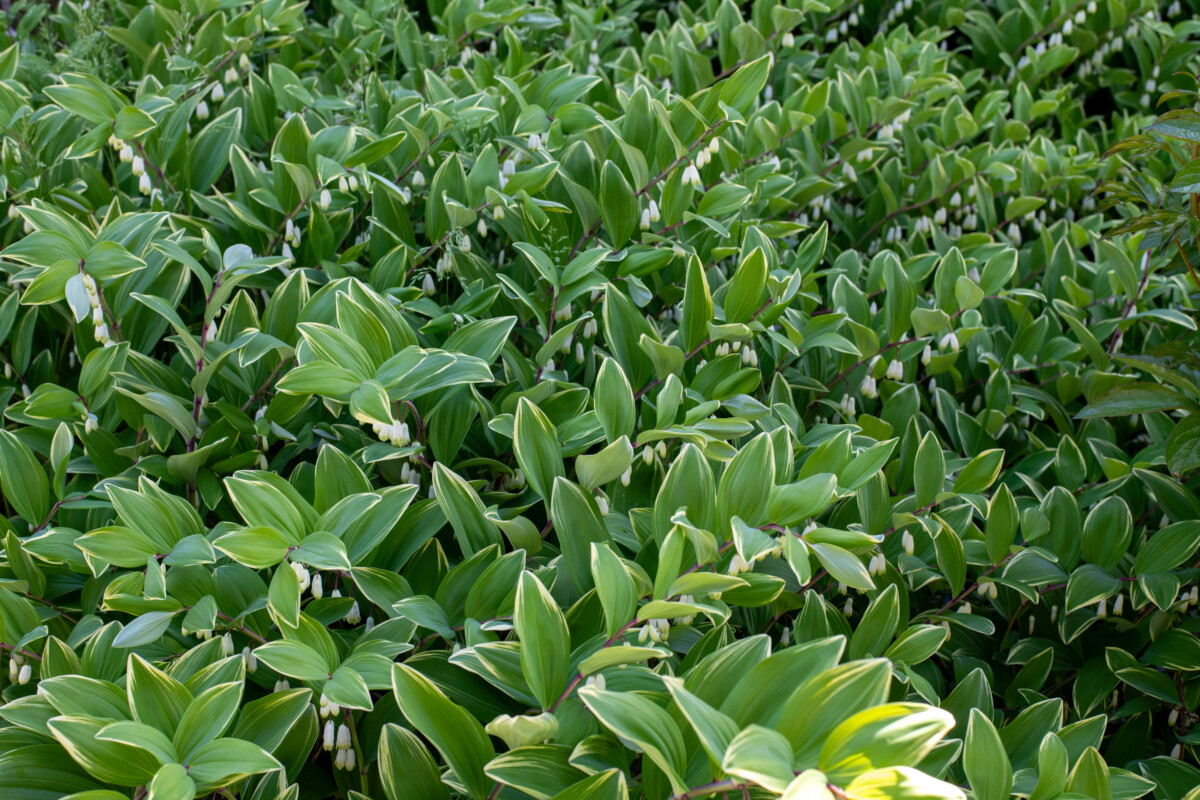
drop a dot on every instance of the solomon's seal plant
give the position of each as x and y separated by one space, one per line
584 401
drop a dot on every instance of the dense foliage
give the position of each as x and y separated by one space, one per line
599 400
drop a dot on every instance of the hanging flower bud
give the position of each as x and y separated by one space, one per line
327 738
202 110
910 545
218 93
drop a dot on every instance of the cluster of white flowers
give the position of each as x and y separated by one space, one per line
908 543
444 265
302 575
738 565
657 630
949 342
869 388
410 475
894 13
564 313
593 60
19 670
354 615
650 214
281 685
895 371
691 176
1187 599
341 742
395 432
99 326
848 406
686 619
596 680
988 589
877 565
249 659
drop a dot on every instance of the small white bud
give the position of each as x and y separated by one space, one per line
25 674
327 738
202 110
909 544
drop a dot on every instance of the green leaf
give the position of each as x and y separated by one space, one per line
635 719
535 444
618 206
1135 398
545 641
980 473
985 761
406 769
457 735
761 756
747 288
614 401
